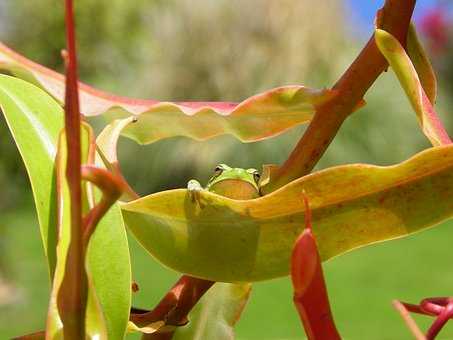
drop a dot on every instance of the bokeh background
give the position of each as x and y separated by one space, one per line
230 50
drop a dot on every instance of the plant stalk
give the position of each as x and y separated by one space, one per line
395 18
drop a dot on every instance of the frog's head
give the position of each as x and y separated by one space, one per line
235 183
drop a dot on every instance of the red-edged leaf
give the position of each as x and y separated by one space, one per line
256 118
310 293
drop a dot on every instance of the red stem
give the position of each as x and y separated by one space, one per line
394 17
72 296
174 306
111 187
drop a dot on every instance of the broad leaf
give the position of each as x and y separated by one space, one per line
35 120
215 315
256 118
408 77
353 205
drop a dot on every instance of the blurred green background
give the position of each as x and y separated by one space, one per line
226 50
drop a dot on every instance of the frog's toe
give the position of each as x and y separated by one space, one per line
194 189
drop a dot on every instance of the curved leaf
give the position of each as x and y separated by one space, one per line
256 118
353 205
35 120
402 66
215 315
422 64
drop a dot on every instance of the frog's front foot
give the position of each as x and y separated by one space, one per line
194 188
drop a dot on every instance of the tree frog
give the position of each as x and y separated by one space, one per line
235 183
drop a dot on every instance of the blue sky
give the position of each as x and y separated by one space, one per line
363 11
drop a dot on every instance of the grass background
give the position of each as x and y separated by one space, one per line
361 285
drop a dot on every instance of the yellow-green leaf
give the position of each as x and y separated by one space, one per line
35 120
244 241
408 77
422 64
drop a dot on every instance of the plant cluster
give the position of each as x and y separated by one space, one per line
220 245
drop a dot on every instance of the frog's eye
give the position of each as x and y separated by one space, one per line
256 176
218 170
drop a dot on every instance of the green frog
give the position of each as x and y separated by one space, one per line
234 183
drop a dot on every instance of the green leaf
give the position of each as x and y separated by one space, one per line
95 324
35 120
258 117
215 315
422 64
244 241
108 264
408 77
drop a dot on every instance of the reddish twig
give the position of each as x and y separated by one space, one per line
174 307
111 186
72 297
394 17
404 312
310 292
41 335
440 307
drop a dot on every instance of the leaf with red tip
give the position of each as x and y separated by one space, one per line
404 69
422 64
258 117
310 293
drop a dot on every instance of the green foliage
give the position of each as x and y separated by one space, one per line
213 238
35 120
353 205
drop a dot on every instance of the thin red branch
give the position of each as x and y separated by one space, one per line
174 307
111 187
440 307
404 312
72 297
41 335
394 17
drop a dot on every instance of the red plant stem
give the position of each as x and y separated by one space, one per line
441 307
394 17
32 336
174 306
404 312
441 320
72 297
111 187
